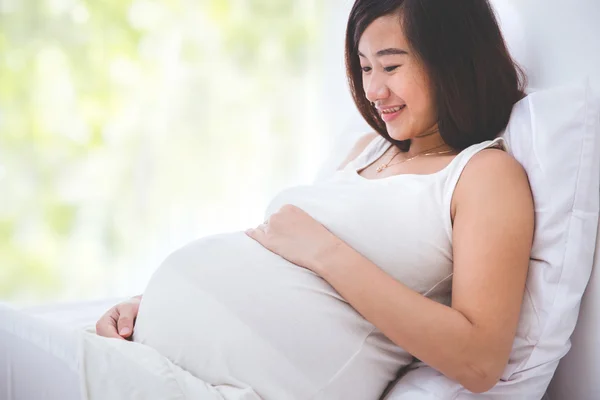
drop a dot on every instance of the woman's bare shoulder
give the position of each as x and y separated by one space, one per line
359 146
493 175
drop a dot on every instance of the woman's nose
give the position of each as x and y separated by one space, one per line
376 88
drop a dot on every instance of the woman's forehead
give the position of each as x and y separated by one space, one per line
383 33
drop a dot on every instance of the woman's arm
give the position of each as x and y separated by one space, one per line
471 341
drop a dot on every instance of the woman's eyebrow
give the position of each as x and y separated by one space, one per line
386 52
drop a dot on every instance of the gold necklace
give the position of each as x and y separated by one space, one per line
385 165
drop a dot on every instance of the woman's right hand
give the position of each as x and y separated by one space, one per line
118 322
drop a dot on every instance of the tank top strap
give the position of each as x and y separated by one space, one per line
371 152
460 162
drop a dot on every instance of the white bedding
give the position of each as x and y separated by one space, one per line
43 351
39 350
38 355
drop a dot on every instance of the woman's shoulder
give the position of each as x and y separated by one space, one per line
494 162
492 173
360 145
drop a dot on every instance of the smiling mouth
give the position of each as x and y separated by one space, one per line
390 114
392 110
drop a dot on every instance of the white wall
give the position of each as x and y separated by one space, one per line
339 105
557 41
343 122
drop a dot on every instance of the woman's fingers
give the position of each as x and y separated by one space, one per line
125 324
107 324
118 322
128 311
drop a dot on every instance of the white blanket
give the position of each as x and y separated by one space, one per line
44 357
122 370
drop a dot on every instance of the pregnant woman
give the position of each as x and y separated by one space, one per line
417 246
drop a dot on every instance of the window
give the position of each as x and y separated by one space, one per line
129 128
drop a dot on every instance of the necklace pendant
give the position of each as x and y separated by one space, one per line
381 168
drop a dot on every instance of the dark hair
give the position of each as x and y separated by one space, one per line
475 81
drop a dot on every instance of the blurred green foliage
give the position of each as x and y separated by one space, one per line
101 103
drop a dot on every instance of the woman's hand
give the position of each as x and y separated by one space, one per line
296 236
118 322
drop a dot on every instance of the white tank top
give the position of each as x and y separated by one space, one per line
402 223
231 312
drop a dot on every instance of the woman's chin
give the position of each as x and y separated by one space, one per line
398 136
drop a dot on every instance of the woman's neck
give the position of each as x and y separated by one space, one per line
429 141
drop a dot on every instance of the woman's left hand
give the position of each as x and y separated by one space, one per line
296 236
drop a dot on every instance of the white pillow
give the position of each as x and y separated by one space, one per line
554 134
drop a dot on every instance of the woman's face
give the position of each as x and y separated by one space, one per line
393 77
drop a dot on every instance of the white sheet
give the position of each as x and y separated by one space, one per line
38 356
52 352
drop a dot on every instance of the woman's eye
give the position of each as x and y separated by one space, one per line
390 69
366 69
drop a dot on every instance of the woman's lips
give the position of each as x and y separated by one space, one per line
387 117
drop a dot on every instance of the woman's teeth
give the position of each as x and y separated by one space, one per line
392 110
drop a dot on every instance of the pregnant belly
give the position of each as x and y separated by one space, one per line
229 311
